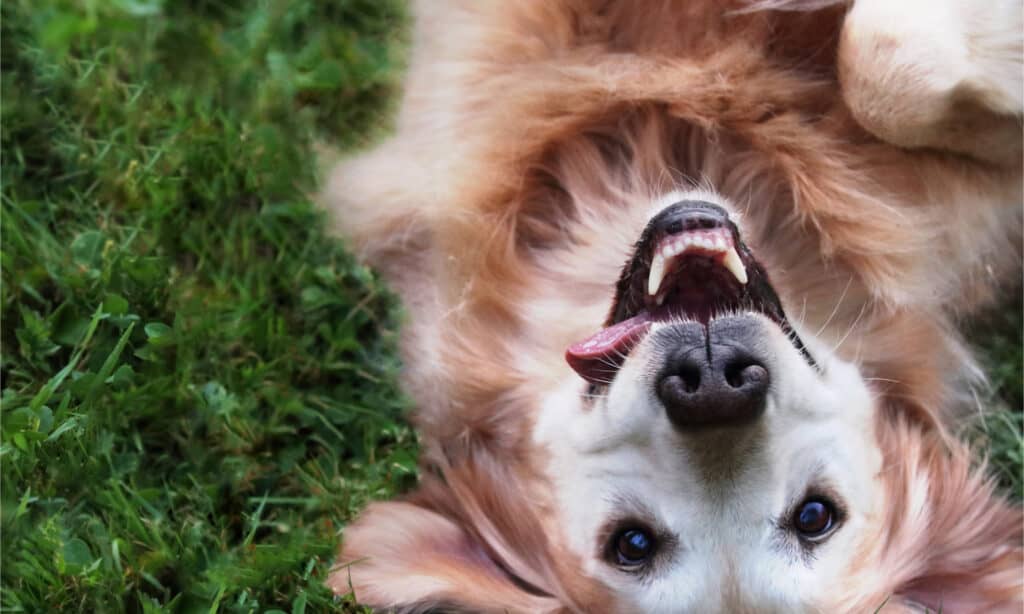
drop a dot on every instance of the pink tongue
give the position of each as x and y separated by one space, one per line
599 356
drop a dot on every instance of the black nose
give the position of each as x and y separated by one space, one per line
689 215
719 382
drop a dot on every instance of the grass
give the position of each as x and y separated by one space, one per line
198 385
998 432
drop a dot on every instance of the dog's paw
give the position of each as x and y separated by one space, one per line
942 74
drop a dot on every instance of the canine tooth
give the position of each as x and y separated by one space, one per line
657 273
735 265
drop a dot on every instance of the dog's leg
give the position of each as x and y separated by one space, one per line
944 74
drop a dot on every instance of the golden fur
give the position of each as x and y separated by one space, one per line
529 131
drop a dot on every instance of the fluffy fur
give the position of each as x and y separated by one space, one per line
533 139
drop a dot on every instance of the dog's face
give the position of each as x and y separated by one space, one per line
707 455
715 459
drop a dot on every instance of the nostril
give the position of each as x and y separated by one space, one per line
680 388
674 227
690 377
734 374
739 374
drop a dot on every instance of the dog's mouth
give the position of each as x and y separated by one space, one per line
689 264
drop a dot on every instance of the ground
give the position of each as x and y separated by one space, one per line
198 385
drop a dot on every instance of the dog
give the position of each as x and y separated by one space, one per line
682 281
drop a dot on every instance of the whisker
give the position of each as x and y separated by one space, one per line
850 330
835 309
882 379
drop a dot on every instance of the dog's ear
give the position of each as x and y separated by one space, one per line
402 556
975 565
956 542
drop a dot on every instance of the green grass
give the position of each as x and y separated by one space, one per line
198 385
998 432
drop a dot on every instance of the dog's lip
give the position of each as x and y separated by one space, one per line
699 284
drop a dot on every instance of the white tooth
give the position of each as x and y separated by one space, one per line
666 251
660 299
735 265
657 273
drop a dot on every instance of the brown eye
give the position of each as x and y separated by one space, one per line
633 547
814 518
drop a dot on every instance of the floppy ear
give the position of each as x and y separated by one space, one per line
406 557
957 543
976 564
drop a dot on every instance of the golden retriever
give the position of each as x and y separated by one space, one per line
682 278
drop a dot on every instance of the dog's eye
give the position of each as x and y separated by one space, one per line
633 547
814 518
